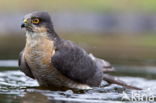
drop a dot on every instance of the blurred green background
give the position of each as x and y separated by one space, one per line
120 31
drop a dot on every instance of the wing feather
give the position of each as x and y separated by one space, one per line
76 64
23 66
103 64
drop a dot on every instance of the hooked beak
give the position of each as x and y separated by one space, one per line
25 23
22 25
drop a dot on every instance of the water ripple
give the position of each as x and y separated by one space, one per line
16 83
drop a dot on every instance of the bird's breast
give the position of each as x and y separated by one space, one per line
38 52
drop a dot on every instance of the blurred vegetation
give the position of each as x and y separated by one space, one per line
80 5
118 48
10 46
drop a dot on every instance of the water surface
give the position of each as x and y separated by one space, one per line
15 87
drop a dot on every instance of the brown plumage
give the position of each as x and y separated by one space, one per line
53 61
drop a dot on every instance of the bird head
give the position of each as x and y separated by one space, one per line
37 22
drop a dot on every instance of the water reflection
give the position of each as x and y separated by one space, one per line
34 96
16 87
8 63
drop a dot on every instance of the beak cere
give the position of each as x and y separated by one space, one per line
25 22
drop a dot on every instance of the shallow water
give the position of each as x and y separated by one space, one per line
15 87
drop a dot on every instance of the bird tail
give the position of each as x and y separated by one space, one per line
112 80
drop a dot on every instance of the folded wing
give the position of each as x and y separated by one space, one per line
76 64
23 66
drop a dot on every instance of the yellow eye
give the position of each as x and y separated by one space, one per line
35 21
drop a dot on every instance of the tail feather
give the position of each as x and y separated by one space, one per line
110 79
106 67
102 64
